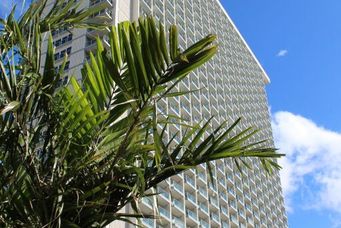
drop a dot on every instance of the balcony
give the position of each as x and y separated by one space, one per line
221 168
240 200
202 191
261 201
204 224
247 196
223 195
163 193
224 210
213 201
239 187
215 217
241 213
164 212
178 187
178 222
222 181
191 214
242 225
203 207
190 197
230 180
212 186
202 176
249 220
224 225
233 204
248 208
148 222
178 204
232 193
190 181
233 219
148 201
237 174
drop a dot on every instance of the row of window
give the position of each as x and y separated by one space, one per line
178 221
242 194
237 51
213 215
63 40
61 54
59 31
67 67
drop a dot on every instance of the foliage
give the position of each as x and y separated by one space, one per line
73 156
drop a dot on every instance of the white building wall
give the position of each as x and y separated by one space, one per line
232 85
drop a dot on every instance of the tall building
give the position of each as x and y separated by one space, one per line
232 85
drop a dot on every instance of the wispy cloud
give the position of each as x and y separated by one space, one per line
282 53
312 165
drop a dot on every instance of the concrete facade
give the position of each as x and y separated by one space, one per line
231 85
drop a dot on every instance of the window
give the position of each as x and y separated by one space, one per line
60 55
57 43
59 31
68 50
67 67
63 40
56 56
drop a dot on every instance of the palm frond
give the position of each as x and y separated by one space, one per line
75 155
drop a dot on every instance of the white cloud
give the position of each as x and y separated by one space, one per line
312 165
282 53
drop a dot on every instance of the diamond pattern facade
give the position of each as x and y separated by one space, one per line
231 85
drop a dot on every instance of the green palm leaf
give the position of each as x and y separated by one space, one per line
75 155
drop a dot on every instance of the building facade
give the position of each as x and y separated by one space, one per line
231 85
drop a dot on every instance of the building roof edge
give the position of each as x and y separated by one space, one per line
265 75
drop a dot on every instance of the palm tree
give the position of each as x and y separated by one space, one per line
73 156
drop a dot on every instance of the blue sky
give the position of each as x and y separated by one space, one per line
299 45
6 6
